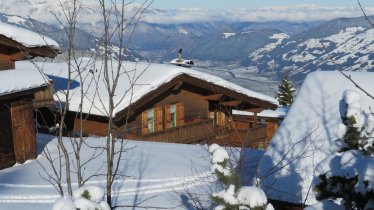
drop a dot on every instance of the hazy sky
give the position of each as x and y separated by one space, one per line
250 4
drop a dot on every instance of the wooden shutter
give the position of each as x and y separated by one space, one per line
145 122
167 116
180 114
220 118
158 118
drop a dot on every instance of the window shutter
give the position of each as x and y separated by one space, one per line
180 114
221 118
145 122
158 118
167 116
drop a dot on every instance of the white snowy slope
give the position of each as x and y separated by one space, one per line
26 37
267 48
159 170
227 35
306 135
21 79
137 80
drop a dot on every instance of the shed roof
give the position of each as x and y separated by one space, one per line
306 135
14 81
28 41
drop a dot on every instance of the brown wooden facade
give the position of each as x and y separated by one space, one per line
187 110
17 127
17 124
12 51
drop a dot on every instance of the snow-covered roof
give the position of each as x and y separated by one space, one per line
21 79
26 37
306 135
280 112
144 77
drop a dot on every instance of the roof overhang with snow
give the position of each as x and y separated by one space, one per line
307 134
22 43
242 101
15 83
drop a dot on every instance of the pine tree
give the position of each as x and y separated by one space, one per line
286 91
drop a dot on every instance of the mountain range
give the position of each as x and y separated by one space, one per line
273 47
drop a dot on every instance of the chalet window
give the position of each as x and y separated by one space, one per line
152 120
174 115
219 118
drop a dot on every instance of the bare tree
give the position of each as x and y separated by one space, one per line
113 71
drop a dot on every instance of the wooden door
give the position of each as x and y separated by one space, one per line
6 140
24 138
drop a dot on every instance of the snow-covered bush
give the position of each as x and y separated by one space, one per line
348 175
234 196
84 198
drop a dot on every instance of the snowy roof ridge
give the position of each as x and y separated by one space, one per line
26 37
307 134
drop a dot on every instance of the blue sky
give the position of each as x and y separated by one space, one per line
250 4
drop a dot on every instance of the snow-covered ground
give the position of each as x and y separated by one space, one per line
163 170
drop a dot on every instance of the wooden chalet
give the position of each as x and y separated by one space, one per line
21 90
188 109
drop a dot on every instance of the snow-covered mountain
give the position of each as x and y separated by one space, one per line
349 41
161 33
83 40
272 46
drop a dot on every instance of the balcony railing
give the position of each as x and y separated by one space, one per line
194 132
204 131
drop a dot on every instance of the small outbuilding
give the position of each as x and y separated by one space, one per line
21 90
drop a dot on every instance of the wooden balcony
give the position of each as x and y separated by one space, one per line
190 133
252 137
204 131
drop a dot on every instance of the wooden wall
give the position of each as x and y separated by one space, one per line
195 107
17 131
45 97
24 137
91 127
7 157
271 128
7 64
